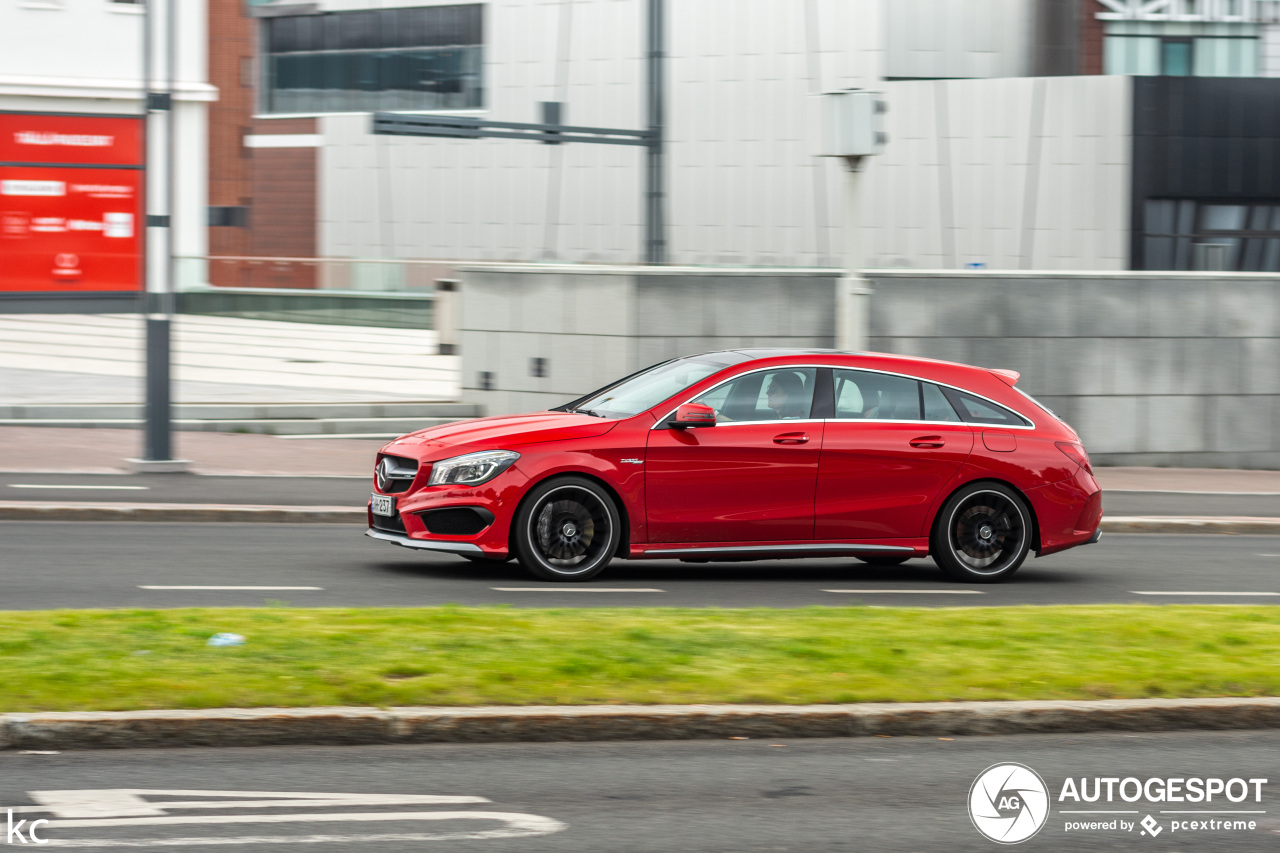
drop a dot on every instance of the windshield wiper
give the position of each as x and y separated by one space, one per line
591 412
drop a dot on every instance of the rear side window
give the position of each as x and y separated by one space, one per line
936 407
876 396
975 410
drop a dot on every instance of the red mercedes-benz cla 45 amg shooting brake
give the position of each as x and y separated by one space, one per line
752 454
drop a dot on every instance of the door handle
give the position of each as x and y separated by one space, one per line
790 438
928 441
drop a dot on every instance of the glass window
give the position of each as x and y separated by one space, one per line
876 396
1139 55
1224 217
766 395
1181 234
936 407
649 387
423 58
975 410
1175 57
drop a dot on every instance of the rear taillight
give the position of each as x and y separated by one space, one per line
1075 452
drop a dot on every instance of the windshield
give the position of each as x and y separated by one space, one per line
646 389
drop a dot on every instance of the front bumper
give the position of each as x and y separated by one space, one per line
425 544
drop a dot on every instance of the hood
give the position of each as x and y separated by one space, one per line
506 431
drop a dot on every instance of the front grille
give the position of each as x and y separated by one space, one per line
392 524
458 521
394 474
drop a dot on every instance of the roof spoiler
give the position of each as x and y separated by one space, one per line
1009 377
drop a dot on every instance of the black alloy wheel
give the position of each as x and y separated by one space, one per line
567 529
882 560
982 534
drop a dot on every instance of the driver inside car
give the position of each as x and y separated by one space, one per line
786 396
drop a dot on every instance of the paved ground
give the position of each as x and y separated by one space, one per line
110 564
70 358
896 795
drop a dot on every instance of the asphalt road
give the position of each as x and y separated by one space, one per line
189 488
354 491
108 564
890 795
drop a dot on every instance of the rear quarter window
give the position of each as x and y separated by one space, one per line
976 410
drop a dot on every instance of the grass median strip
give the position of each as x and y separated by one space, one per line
143 659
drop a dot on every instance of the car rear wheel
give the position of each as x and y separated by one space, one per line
982 534
567 530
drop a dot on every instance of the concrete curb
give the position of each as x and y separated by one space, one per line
266 514
351 726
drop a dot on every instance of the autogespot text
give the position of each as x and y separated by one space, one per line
1228 795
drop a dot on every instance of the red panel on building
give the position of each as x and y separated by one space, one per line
70 227
99 140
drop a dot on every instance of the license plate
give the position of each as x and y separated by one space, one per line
383 505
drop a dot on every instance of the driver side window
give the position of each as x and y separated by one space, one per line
766 395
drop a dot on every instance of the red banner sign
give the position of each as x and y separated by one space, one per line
63 227
97 140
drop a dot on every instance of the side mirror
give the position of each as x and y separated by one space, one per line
693 415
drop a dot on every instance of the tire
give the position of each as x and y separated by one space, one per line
982 534
566 529
883 561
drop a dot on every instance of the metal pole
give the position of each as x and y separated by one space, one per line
655 226
158 451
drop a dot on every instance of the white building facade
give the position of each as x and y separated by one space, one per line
986 165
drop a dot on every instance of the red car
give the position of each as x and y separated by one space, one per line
748 455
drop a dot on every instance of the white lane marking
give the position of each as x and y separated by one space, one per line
1185 492
370 436
76 809
1269 555
269 841
333 817
60 486
258 588
908 591
131 801
879 759
1141 592
572 589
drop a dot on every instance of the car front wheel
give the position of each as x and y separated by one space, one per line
567 529
982 534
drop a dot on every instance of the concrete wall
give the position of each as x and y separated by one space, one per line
1029 173
597 324
743 123
1164 369
939 39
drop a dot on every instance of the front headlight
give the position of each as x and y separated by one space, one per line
471 469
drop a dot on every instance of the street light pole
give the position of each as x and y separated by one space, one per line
158 261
